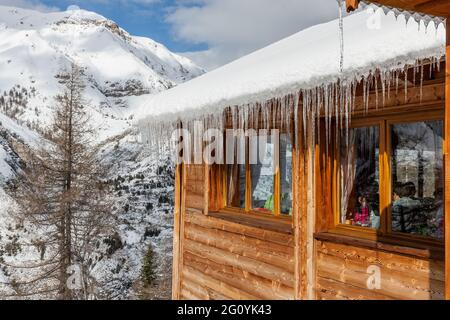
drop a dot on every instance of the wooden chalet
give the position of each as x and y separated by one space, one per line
359 207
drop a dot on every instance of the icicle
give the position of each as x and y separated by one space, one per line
383 87
397 74
431 68
341 35
364 85
326 111
421 83
406 84
389 85
296 107
354 85
376 90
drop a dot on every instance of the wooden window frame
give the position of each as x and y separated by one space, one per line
248 210
384 233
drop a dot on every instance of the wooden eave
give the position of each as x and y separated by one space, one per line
438 8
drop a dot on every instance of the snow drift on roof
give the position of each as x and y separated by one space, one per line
306 60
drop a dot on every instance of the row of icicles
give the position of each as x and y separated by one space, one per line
334 103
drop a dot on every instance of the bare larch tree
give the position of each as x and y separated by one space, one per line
63 198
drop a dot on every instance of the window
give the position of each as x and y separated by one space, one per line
264 183
359 179
286 175
391 177
236 186
417 178
263 176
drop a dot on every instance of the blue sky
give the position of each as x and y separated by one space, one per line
210 32
143 18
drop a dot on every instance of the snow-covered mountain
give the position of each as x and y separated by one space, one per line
121 72
120 69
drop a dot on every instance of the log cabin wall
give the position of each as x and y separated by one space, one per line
224 259
342 273
226 256
221 255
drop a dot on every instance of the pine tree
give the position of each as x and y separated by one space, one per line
62 196
148 272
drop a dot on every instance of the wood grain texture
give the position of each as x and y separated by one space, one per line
226 259
176 234
344 269
195 186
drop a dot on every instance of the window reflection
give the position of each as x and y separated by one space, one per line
286 174
359 183
417 178
263 176
236 174
236 186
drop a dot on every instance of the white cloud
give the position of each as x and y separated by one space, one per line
233 28
28 4
73 7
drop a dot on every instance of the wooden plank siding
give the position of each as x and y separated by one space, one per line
195 187
342 273
224 259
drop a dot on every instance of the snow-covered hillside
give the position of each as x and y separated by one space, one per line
121 71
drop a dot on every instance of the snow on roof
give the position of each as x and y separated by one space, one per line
308 59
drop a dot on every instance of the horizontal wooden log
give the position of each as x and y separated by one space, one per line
185 294
233 227
257 220
431 93
328 289
194 201
195 185
263 288
198 290
255 267
268 252
218 286
425 252
393 284
421 267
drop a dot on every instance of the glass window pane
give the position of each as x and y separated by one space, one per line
236 186
262 175
286 174
417 178
359 185
236 175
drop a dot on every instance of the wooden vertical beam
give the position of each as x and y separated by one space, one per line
304 212
298 212
176 233
309 224
447 165
207 189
